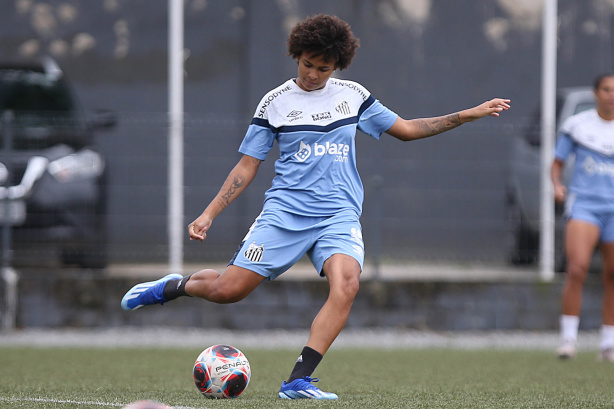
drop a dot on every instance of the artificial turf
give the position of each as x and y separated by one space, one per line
363 378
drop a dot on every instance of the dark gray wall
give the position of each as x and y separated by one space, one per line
70 299
437 198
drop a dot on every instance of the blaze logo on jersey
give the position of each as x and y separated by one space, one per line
592 167
254 252
339 150
304 151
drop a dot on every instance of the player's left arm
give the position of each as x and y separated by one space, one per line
410 129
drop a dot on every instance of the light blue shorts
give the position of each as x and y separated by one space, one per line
277 240
599 214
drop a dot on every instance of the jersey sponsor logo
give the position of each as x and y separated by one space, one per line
341 151
254 252
270 99
294 115
304 152
354 87
592 167
343 108
321 116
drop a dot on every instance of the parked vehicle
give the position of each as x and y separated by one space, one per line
52 177
523 182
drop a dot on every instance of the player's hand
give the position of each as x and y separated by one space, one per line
560 192
492 108
197 230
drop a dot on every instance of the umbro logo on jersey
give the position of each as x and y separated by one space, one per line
254 252
294 114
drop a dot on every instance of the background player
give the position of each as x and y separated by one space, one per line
589 210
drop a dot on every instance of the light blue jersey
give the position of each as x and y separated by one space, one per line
316 172
590 195
591 139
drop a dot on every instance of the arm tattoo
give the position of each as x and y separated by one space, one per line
434 126
237 183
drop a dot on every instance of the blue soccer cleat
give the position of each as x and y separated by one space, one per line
302 388
147 293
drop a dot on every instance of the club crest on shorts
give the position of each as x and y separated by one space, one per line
254 252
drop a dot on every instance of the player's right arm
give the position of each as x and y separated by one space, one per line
556 172
237 180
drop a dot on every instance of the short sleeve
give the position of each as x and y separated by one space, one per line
375 118
564 146
258 140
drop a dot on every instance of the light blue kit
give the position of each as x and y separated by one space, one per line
315 201
591 188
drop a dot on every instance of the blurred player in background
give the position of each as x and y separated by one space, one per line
589 210
315 201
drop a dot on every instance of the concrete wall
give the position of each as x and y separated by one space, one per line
75 300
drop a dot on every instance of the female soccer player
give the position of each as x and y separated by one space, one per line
589 210
315 201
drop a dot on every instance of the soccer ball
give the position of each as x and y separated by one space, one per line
146 404
221 371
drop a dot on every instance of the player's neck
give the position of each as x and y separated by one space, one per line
606 114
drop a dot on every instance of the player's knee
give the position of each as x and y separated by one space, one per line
576 272
348 287
353 284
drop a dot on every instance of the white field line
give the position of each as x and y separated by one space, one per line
76 402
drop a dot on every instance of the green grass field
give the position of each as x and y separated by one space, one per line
363 378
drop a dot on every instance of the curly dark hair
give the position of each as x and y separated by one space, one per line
326 36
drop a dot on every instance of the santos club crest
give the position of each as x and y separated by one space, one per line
254 252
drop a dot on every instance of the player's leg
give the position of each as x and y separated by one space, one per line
343 274
231 286
338 254
251 264
606 347
581 237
